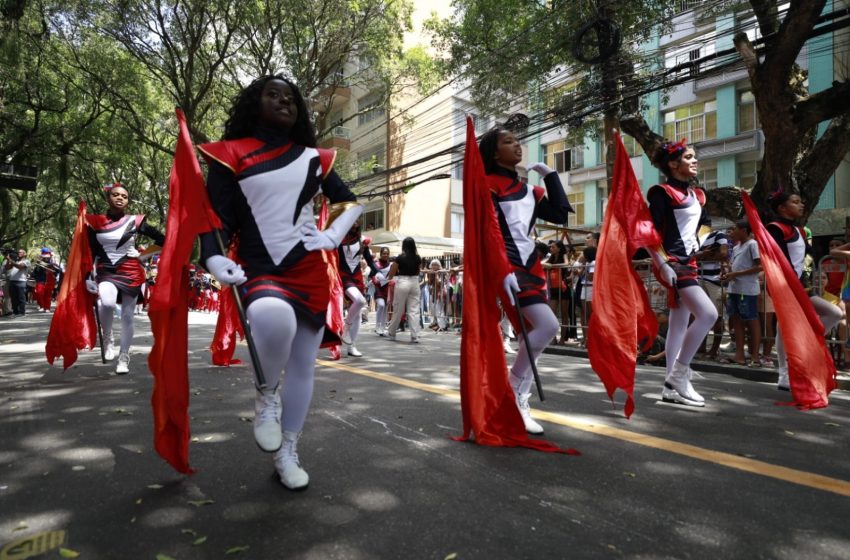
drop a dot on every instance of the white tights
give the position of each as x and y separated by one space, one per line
830 315
544 327
682 340
353 318
106 311
380 314
285 343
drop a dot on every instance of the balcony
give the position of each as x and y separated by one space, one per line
337 95
750 141
712 79
339 137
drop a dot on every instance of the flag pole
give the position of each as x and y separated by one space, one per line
99 331
524 333
246 326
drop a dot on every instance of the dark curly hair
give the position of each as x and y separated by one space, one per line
245 113
665 153
487 146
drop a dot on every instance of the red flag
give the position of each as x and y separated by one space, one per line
73 326
333 318
811 371
488 403
622 316
227 327
189 214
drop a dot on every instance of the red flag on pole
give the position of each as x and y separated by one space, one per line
811 371
189 214
333 317
622 316
227 327
73 326
488 402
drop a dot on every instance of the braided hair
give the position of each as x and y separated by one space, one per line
245 113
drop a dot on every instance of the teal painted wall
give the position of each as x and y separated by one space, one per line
821 74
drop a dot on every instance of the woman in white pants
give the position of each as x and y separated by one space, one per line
405 271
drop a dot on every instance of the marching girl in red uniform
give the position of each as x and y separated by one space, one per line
678 212
518 206
353 247
119 274
792 240
380 270
263 179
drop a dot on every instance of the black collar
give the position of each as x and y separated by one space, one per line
504 172
270 135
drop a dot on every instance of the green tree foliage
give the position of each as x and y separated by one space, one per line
88 87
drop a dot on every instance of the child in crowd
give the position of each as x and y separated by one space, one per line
742 293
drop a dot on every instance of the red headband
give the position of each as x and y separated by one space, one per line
107 188
682 145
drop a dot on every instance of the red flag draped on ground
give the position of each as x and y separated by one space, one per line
811 371
488 403
622 316
189 214
73 326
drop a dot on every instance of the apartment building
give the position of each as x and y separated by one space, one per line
715 112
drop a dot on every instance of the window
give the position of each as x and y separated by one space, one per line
686 55
707 177
457 223
577 202
558 157
457 170
373 218
633 148
748 118
747 172
373 107
695 122
556 96
371 161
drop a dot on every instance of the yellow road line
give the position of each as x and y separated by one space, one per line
803 478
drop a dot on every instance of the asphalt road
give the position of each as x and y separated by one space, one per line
741 478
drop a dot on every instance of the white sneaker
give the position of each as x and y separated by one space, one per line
267 409
287 465
346 334
508 349
391 336
109 348
531 426
783 383
678 389
693 393
123 363
414 340
354 352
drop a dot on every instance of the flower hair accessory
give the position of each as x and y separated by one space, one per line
674 147
776 194
107 188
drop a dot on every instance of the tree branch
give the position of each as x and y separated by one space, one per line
823 106
793 32
821 162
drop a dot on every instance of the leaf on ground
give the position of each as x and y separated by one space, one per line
199 540
163 557
631 474
789 433
237 549
21 526
188 532
832 424
199 503
452 556
139 501
68 553
154 486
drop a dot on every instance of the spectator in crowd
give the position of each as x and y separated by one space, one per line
742 293
712 256
17 269
405 272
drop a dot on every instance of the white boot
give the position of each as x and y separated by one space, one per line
287 465
507 345
123 363
691 390
346 333
783 383
354 352
108 347
267 409
531 426
678 389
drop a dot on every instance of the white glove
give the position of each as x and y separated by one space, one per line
91 286
315 240
225 270
541 168
667 274
382 278
511 285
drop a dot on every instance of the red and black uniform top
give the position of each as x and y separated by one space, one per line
678 212
518 206
112 238
263 189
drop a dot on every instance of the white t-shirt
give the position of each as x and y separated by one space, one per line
743 258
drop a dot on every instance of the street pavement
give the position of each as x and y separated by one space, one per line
742 478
